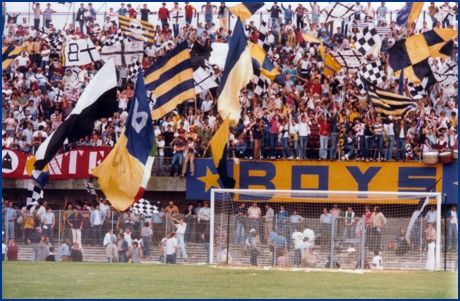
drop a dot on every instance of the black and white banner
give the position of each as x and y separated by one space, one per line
124 53
79 52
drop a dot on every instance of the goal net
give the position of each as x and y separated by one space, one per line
326 229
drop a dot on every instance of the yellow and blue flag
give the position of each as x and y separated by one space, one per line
219 153
170 79
245 10
409 13
237 74
137 29
124 174
266 67
387 103
411 54
331 67
9 54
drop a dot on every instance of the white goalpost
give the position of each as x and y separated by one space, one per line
340 221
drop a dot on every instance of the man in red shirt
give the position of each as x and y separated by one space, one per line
189 13
132 13
325 128
163 15
316 87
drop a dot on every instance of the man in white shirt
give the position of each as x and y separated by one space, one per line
104 207
377 262
297 239
254 213
110 244
369 11
309 233
268 225
211 119
151 52
180 231
206 105
432 215
171 249
127 237
97 219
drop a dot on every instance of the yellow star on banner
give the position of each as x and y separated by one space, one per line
210 180
456 183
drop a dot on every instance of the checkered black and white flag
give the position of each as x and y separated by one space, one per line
374 73
117 37
35 193
367 39
90 188
144 207
133 71
55 43
380 30
261 83
263 37
337 11
350 60
447 76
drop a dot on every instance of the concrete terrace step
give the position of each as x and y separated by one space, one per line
198 255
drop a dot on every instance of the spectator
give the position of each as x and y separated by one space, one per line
171 248
76 253
310 258
13 250
378 222
65 250
402 245
134 253
122 246
298 240
10 219
180 234
377 261
97 220
75 222
253 244
452 221
110 244
51 256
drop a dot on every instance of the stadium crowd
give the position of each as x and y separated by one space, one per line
313 117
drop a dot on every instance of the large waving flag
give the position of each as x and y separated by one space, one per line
219 153
266 67
170 79
137 29
124 174
97 101
409 13
387 103
245 10
237 74
9 54
411 54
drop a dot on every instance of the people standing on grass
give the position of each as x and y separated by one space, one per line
430 233
378 222
254 245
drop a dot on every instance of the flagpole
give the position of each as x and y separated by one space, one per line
67 18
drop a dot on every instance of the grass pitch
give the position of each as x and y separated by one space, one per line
100 280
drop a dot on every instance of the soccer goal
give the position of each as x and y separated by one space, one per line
344 228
